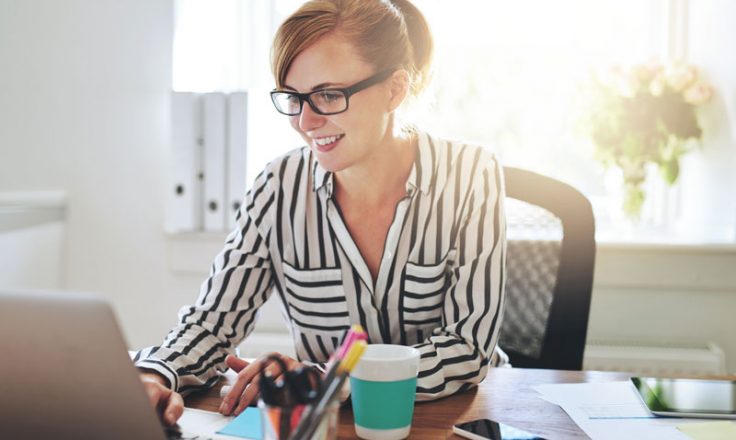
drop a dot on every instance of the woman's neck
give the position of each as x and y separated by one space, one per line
382 175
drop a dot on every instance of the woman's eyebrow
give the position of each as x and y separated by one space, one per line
319 86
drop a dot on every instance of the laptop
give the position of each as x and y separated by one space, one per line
66 373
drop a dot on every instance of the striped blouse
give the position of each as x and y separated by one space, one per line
439 287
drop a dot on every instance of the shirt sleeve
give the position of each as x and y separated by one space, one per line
456 355
240 281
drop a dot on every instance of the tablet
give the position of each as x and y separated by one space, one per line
688 397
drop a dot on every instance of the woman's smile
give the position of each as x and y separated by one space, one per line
327 143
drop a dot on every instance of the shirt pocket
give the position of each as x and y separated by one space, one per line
423 293
316 299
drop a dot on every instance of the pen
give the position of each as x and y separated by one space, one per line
356 333
313 417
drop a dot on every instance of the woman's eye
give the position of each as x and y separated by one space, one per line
328 96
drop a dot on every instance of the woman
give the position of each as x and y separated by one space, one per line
373 223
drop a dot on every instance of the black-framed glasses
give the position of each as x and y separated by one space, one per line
329 101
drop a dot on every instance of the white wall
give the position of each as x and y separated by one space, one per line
84 108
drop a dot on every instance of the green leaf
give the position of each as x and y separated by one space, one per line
633 201
670 171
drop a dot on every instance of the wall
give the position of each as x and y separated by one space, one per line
84 108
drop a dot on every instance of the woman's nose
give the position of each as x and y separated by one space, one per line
308 119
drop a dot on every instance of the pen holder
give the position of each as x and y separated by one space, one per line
280 422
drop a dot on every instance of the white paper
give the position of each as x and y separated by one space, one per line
611 410
204 423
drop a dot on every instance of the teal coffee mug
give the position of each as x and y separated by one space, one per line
383 386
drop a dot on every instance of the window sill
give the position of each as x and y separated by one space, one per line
655 265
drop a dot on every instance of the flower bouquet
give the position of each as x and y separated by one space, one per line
642 115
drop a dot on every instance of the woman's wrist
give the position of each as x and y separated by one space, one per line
153 376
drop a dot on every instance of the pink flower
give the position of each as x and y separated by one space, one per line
647 72
656 87
697 93
679 75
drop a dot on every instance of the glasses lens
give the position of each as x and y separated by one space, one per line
286 103
329 101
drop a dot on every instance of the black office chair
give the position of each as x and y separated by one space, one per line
549 272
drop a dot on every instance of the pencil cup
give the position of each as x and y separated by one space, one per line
383 386
280 422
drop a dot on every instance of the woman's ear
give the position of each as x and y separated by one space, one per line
399 89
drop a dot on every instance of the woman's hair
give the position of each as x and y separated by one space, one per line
386 34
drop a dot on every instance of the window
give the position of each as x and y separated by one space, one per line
507 75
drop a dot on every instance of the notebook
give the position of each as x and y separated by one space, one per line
65 372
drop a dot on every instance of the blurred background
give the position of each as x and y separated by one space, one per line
89 153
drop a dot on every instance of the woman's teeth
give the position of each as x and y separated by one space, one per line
327 140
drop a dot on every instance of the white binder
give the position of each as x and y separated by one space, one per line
214 152
184 194
237 127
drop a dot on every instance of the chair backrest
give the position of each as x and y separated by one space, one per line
549 272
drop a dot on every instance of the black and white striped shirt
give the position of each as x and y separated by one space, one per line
439 286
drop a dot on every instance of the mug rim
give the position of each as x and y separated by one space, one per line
404 352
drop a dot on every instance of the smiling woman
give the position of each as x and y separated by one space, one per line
374 222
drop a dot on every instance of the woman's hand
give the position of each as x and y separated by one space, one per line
245 389
168 404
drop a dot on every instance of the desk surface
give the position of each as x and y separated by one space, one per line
505 396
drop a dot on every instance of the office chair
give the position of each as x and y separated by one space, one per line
549 272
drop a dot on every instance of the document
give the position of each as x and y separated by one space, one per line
216 426
612 410
710 430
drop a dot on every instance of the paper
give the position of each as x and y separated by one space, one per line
612 410
710 430
246 425
204 423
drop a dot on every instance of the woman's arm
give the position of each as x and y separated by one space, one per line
456 355
240 282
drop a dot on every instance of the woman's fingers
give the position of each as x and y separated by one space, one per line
174 408
235 363
168 404
252 392
245 389
245 377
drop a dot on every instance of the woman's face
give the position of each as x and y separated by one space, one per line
349 138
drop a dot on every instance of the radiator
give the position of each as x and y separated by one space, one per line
650 359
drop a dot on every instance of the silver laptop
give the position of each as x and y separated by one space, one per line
65 372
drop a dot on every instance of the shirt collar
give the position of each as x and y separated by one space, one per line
423 169
321 178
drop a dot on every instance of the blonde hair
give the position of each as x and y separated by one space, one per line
386 34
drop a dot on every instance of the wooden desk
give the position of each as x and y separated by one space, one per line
505 396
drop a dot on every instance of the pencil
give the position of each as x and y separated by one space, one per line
316 413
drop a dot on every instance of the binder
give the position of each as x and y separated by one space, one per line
214 151
237 126
184 194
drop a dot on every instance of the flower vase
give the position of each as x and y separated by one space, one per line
634 177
